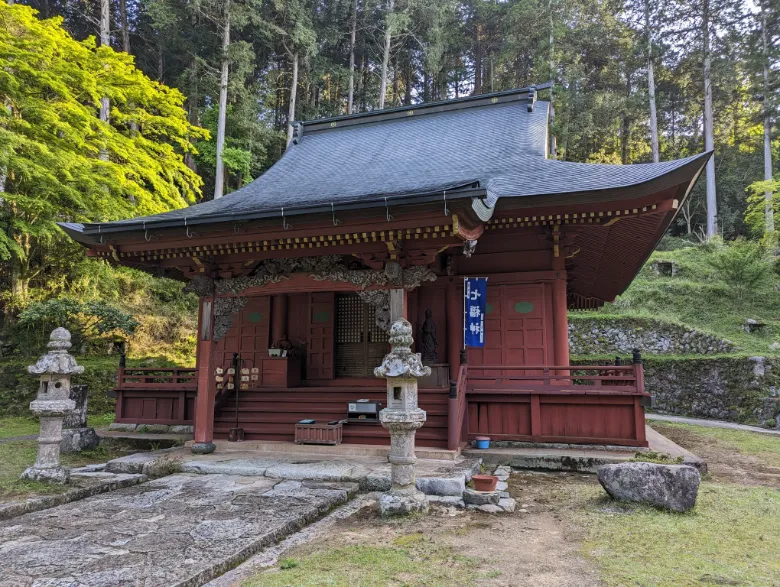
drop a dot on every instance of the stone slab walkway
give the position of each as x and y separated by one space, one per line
371 473
711 423
180 530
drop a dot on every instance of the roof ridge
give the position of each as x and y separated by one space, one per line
524 95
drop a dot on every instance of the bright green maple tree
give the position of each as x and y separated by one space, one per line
51 139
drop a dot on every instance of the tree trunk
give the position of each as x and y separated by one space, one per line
386 52
709 141
105 41
219 178
293 96
125 30
553 139
352 39
769 214
651 87
478 61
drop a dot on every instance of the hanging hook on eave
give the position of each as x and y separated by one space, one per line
236 229
187 229
387 211
446 210
336 221
285 225
146 234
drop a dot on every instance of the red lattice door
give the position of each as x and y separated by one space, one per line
360 343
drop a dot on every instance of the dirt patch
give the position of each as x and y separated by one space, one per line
724 462
534 546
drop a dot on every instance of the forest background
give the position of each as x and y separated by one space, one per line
201 93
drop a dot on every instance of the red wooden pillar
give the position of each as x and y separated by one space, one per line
560 318
454 328
278 317
204 400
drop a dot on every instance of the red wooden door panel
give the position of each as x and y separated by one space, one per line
319 351
516 327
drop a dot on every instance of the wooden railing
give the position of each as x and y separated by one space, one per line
583 404
577 379
156 396
165 379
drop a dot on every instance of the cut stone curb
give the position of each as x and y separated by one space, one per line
150 464
99 484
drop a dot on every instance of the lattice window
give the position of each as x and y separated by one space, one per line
349 319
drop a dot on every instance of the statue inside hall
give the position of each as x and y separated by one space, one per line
428 340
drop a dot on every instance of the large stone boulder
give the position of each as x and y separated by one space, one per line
672 487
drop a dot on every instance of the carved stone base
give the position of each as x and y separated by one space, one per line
203 448
403 501
54 475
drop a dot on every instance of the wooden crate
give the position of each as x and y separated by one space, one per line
318 433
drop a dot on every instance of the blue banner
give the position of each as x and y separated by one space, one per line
474 296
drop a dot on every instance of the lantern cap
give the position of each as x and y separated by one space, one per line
57 361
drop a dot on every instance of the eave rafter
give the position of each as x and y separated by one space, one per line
410 245
603 217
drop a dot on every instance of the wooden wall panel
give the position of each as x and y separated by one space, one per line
319 353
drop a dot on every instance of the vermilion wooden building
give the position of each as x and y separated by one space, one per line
414 198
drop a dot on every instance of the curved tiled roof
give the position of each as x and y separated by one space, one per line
493 146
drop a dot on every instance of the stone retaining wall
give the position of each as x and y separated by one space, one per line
600 336
740 389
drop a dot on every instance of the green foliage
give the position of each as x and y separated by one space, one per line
90 323
696 297
742 266
18 388
60 161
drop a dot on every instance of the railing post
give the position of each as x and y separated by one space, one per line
464 357
453 430
120 373
639 411
639 372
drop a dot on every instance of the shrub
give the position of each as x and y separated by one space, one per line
742 266
92 324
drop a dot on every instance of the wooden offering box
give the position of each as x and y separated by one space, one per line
318 433
281 372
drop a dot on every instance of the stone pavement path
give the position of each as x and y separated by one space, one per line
711 423
177 530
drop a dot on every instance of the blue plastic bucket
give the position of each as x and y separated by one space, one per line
482 442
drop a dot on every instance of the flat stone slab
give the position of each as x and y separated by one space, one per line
178 530
434 477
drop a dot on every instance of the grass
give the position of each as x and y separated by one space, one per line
765 447
411 560
16 456
18 426
697 298
730 538
24 426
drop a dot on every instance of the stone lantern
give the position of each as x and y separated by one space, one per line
51 405
402 417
